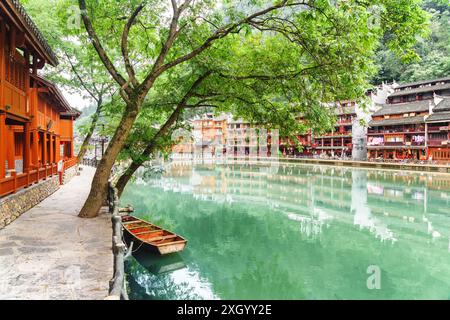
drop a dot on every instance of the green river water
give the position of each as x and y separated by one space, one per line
294 232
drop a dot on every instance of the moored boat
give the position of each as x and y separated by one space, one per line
148 235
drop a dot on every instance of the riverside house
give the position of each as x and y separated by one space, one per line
413 124
36 122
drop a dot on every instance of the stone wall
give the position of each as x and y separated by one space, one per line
12 206
69 174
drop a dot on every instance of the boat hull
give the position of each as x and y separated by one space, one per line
165 247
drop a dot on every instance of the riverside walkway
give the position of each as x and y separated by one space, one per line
50 253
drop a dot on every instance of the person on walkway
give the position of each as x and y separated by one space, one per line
60 170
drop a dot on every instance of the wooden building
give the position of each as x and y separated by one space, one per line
413 124
36 122
338 142
209 135
438 130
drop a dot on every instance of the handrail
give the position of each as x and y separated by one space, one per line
117 289
70 163
90 162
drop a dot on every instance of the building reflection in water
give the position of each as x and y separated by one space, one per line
303 232
378 201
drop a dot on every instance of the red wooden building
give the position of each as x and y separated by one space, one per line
414 124
36 122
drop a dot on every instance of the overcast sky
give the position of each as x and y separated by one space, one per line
75 99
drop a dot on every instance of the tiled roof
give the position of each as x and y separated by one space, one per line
438 87
444 105
69 110
418 83
30 25
439 116
398 121
407 107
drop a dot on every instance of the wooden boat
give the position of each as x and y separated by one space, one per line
148 235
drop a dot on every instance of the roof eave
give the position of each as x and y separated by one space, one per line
33 34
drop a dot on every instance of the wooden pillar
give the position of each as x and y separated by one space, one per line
35 149
26 147
71 139
57 149
51 157
2 144
2 101
10 148
44 148
2 63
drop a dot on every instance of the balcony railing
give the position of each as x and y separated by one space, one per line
399 130
334 135
438 142
70 163
15 182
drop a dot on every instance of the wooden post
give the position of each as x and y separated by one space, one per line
2 100
71 139
44 148
44 156
27 148
14 175
57 149
2 144
51 158
10 148
2 63
35 148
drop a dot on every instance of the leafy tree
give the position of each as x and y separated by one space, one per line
142 44
80 70
433 51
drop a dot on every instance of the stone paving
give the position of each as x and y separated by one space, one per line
50 253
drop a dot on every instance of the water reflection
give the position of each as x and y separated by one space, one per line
297 232
312 195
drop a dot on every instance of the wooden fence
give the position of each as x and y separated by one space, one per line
90 162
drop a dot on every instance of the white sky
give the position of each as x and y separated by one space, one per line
75 100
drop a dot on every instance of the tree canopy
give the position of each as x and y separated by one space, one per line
269 61
433 51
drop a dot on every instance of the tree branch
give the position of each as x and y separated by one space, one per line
164 128
124 44
83 84
173 33
223 32
100 50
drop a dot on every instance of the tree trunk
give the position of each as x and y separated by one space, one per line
99 187
87 138
126 176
